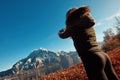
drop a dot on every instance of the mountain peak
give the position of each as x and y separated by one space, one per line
40 58
43 49
39 50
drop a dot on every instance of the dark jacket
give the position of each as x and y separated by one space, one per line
81 30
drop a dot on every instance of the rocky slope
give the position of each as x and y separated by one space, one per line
45 59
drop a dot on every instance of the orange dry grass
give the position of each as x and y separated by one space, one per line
77 72
72 73
115 58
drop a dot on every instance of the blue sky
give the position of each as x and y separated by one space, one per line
26 25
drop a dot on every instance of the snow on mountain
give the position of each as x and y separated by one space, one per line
37 58
42 57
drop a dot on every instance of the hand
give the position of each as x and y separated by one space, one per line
61 31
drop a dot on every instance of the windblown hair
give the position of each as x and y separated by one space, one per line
75 15
79 11
70 11
84 9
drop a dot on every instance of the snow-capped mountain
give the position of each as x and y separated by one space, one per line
36 59
41 58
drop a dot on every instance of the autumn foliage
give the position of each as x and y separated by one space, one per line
112 39
115 58
76 72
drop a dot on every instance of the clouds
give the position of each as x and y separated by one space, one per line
98 24
108 19
105 24
113 16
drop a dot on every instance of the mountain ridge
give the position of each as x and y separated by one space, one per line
42 57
